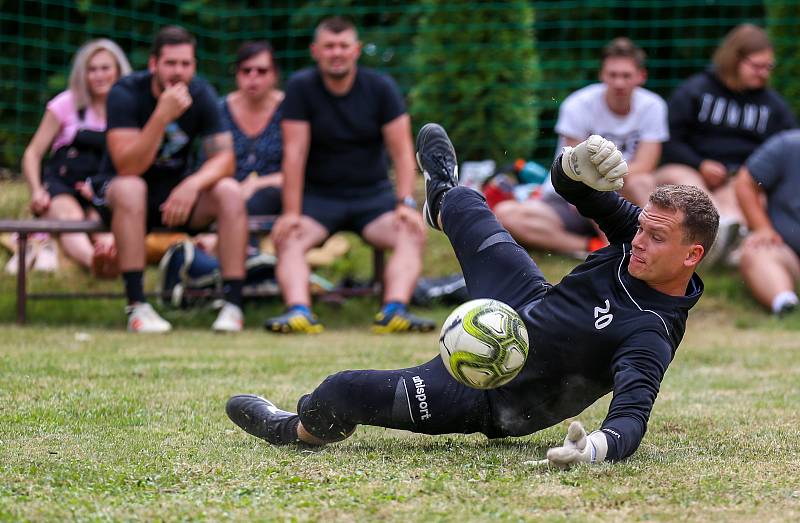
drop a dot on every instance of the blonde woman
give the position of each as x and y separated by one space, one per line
73 129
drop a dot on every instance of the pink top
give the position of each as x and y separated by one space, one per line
63 107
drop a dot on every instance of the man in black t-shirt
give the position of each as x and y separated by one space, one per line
154 117
337 118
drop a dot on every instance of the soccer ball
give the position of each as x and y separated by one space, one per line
484 343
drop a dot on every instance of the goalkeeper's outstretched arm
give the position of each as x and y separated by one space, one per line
638 370
588 180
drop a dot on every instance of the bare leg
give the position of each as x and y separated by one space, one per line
103 238
224 203
77 246
723 197
638 187
304 436
727 204
679 174
127 197
768 271
292 270
535 225
105 263
405 264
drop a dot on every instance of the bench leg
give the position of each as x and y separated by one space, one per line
22 295
378 266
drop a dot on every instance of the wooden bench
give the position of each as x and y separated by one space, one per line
256 224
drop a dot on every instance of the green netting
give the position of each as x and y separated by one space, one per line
468 50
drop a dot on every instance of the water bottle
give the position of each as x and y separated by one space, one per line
530 172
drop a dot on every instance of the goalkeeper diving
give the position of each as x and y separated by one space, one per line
612 325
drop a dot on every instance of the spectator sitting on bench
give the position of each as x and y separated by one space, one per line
338 121
252 113
154 118
73 127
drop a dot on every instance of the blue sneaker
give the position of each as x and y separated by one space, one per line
436 158
294 321
400 321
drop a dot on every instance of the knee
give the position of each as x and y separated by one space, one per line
227 194
411 236
298 242
638 188
642 182
750 258
127 194
674 173
285 245
505 212
70 212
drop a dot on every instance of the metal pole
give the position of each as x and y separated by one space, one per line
22 246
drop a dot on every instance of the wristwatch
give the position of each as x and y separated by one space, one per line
408 201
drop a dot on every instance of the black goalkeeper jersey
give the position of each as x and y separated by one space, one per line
599 330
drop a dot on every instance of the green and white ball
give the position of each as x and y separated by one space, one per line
484 343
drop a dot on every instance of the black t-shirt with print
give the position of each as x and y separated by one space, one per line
707 120
130 105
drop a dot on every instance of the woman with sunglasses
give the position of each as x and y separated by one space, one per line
73 130
253 114
718 117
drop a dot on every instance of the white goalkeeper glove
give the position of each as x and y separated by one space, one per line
596 162
578 448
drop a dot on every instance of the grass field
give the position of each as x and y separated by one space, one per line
96 424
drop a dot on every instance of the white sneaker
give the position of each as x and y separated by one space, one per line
230 319
143 318
46 256
30 256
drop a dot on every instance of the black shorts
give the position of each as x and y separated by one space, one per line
265 201
56 186
348 213
573 221
157 194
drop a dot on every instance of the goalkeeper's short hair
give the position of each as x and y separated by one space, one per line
700 216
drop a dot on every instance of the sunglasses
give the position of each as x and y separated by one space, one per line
261 71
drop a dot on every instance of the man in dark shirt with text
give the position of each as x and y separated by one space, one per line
338 122
154 117
612 324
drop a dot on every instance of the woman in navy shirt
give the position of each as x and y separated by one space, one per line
253 114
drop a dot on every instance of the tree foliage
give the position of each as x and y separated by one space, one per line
477 70
782 19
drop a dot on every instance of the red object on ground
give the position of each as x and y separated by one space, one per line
596 243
